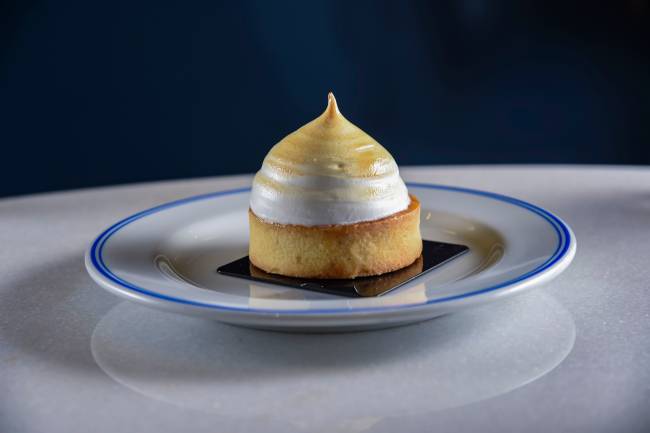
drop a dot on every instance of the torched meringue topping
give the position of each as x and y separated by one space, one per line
328 172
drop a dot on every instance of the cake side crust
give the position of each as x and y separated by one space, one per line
337 251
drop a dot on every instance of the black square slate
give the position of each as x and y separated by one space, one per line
434 254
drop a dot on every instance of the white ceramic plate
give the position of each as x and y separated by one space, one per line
166 257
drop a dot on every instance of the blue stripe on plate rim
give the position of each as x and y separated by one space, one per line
561 250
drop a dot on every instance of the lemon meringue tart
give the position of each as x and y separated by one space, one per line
329 202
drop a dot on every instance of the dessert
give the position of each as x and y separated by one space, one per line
329 202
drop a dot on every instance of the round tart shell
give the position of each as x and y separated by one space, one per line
337 251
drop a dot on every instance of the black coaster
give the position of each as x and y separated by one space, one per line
433 255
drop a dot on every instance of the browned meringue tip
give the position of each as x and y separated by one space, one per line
332 109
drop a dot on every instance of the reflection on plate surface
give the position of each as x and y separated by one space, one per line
447 362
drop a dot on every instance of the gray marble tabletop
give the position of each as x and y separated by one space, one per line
571 356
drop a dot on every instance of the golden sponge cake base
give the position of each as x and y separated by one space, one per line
337 251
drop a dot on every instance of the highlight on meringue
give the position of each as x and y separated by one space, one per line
328 172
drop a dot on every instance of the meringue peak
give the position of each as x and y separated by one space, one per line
332 109
331 145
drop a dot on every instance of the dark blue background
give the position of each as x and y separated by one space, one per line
95 93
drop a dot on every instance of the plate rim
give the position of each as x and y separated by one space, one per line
558 261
